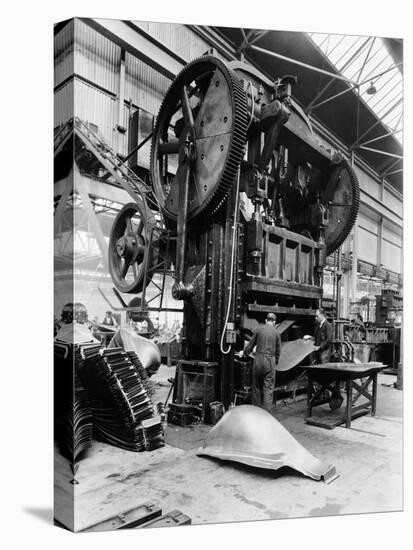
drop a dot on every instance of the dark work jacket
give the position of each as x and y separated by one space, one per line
267 340
324 336
109 321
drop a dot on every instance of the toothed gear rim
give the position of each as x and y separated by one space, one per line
195 69
352 213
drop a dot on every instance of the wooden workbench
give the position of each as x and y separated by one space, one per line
329 378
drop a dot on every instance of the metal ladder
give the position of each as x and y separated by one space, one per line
139 190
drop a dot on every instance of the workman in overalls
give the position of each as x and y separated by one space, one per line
268 349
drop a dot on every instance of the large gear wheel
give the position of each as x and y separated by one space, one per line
220 118
342 198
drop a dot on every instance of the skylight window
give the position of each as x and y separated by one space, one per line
367 62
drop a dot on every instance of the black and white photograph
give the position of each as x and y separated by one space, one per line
228 274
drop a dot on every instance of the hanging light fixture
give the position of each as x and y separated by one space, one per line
371 90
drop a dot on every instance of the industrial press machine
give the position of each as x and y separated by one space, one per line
244 203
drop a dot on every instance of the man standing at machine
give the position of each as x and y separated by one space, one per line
323 337
109 320
267 354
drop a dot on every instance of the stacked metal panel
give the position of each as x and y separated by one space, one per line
123 413
134 359
73 413
153 433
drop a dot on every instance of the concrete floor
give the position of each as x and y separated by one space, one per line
367 457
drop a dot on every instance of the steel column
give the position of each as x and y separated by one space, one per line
121 100
380 242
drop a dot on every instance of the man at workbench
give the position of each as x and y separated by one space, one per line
267 354
323 337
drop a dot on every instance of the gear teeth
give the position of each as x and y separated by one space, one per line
332 247
237 145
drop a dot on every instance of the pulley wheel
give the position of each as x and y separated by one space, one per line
129 249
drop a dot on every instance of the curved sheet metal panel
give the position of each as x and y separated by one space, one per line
293 352
250 435
147 351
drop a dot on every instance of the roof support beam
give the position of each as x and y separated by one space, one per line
312 107
390 167
246 42
387 165
392 133
398 96
379 151
244 36
300 63
398 122
379 121
330 99
258 37
393 172
365 59
353 58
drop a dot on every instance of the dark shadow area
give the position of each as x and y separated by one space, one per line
44 514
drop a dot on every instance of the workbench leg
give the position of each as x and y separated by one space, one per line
349 405
205 389
374 395
309 395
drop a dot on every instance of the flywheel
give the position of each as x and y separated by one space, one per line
130 253
216 120
342 199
